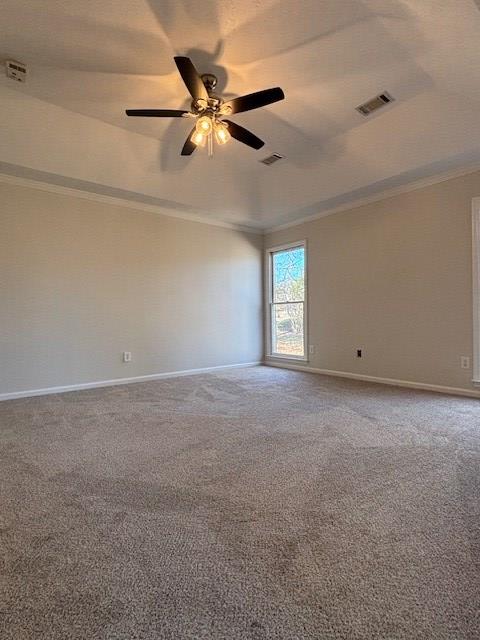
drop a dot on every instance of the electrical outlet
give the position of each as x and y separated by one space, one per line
127 356
465 362
359 353
311 349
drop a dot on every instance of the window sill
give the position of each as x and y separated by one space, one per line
276 356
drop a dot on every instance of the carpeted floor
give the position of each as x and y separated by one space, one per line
250 504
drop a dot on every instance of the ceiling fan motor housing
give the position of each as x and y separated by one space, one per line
213 104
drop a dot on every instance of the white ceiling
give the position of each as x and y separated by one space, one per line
90 60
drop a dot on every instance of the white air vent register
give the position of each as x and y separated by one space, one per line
16 70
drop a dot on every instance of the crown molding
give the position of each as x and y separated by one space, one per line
381 195
123 202
201 219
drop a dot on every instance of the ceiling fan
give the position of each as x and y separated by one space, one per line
209 110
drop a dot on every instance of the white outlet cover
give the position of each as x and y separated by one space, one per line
465 362
127 356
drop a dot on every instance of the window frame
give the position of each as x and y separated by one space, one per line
476 288
269 353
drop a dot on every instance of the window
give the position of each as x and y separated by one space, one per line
476 288
286 329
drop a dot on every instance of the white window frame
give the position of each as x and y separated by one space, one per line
476 288
269 301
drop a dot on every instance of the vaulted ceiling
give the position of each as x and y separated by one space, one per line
88 61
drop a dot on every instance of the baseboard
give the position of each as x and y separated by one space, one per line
111 383
457 391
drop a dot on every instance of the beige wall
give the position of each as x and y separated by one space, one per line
395 279
83 281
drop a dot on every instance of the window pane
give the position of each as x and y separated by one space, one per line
287 329
288 270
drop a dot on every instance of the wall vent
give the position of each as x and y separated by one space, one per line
375 103
16 70
275 157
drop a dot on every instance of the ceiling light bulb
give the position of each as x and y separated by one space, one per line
204 125
221 133
198 138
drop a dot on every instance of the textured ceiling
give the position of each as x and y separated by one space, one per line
88 61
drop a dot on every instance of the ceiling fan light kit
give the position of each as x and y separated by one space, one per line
209 110
206 127
222 135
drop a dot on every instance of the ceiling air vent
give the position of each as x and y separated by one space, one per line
375 103
275 157
16 70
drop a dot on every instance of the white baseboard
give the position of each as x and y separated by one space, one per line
111 383
283 365
457 391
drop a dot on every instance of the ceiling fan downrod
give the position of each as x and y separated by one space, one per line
210 81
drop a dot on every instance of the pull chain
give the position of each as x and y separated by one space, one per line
210 146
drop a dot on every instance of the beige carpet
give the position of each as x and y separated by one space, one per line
251 504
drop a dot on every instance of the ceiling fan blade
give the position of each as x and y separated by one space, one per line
255 100
156 113
191 78
189 146
244 135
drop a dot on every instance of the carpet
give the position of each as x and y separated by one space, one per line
254 503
